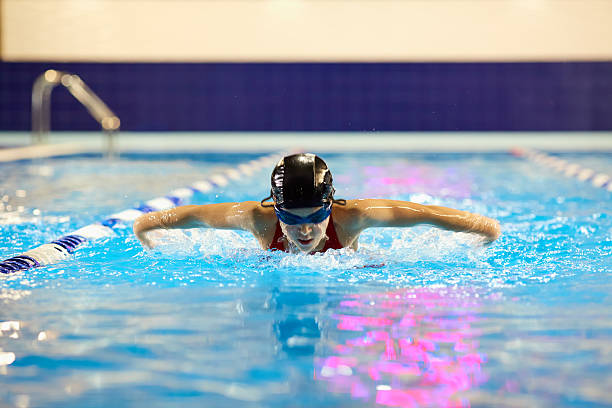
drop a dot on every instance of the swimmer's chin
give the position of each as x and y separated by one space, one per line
305 246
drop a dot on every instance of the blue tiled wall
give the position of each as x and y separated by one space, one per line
325 96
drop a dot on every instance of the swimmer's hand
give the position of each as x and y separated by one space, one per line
147 231
149 239
489 228
149 228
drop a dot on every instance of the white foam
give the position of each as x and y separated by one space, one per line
9 325
171 242
6 358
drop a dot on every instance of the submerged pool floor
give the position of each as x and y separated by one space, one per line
415 318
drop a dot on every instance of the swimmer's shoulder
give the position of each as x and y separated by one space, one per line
351 219
348 220
353 211
263 221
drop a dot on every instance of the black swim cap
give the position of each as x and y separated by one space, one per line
302 180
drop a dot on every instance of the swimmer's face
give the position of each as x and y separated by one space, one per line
306 237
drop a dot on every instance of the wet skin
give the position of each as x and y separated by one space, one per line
349 221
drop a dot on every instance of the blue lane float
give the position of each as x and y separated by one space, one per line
568 169
61 248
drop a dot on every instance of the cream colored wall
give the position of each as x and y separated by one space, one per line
306 30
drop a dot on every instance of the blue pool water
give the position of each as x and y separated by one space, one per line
416 317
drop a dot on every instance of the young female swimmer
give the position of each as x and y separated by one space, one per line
305 217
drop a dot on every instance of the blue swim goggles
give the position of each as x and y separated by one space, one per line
314 218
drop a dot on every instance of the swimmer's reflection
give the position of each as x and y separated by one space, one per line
298 332
405 348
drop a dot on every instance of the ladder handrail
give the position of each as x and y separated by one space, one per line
41 104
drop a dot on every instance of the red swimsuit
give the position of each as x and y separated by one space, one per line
332 243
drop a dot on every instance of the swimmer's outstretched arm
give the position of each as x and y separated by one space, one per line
238 216
393 213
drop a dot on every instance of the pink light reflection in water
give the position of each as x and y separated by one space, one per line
410 348
400 178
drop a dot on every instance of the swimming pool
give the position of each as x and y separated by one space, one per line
416 317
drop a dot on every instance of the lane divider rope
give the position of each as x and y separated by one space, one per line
61 248
568 169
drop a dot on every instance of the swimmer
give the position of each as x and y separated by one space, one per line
304 216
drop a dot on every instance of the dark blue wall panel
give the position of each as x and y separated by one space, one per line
325 96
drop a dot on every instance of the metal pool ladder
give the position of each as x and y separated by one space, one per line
41 106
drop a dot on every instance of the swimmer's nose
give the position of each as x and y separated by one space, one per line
305 229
